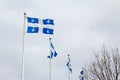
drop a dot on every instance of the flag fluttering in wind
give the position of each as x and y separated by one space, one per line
69 64
34 25
53 52
82 74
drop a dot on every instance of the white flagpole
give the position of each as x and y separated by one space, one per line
23 43
50 74
68 68
85 73
50 70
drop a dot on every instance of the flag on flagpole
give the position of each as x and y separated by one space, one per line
53 52
32 25
69 64
81 75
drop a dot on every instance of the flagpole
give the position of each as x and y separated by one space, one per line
50 61
68 68
85 73
50 76
23 45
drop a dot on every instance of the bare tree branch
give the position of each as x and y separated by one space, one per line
106 67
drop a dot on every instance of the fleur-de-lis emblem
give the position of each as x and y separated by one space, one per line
48 21
33 30
32 20
47 31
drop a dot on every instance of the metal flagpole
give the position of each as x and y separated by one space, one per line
85 73
23 43
68 68
50 72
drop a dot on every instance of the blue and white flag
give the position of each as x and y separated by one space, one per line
32 20
48 22
69 64
52 50
32 26
81 75
48 31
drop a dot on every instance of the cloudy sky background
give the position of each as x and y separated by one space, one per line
81 26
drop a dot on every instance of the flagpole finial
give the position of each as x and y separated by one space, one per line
50 38
25 14
68 54
82 67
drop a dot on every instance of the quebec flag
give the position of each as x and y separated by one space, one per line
81 75
48 22
52 50
32 25
69 65
48 31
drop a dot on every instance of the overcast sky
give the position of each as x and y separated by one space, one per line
81 26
